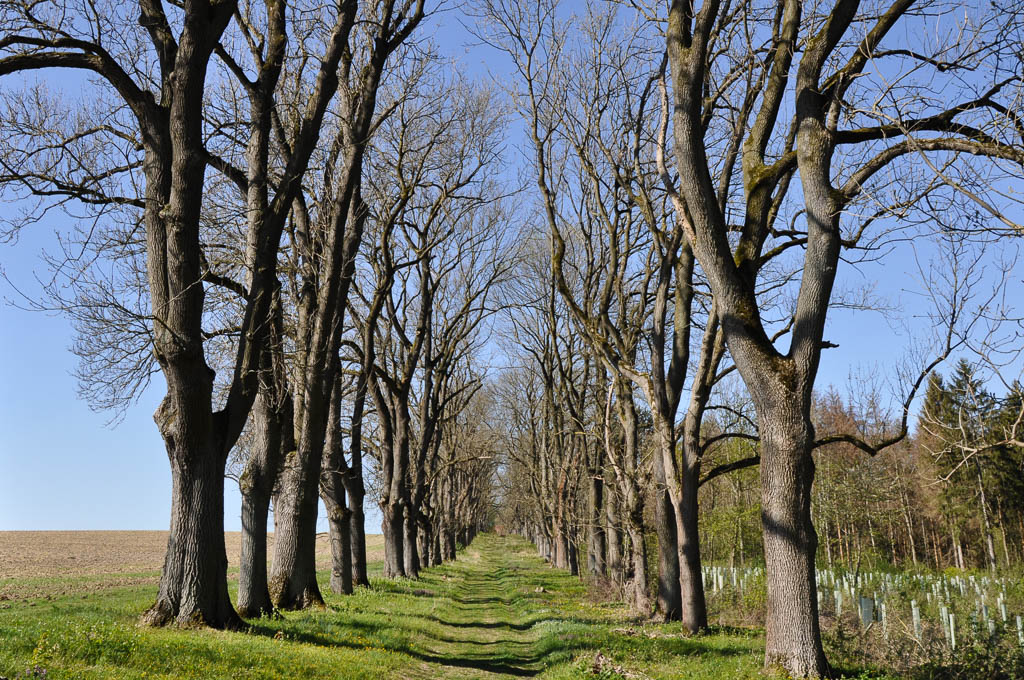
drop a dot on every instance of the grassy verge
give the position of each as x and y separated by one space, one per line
498 611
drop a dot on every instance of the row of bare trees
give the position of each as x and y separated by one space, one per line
299 214
702 174
292 209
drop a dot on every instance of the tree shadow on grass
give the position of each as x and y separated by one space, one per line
529 659
519 665
520 626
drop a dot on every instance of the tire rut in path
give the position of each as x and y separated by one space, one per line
489 622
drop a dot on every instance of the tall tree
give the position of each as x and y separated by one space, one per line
328 261
838 168
433 266
164 98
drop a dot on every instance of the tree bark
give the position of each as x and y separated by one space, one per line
639 599
669 604
193 583
357 534
353 478
411 549
793 637
293 583
339 526
394 540
694 612
424 538
436 557
257 484
450 547
332 492
990 546
253 593
293 580
596 538
573 556
616 568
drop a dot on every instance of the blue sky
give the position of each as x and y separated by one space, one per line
62 467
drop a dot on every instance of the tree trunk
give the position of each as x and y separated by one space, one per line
596 539
193 583
293 582
957 549
257 484
828 547
561 548
990 546
1020 523
352 480
905 507
410 548
1002 534
423 544
435 548
394 499
425 540
743 551
253 593
449 543
669 596
694 610
333 470
792 634
340 527
357 534
616 569
394 540
639 599
573 556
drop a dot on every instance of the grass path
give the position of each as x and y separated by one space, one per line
496 612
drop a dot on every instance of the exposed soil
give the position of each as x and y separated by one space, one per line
43 564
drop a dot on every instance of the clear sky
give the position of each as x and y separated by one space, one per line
62 467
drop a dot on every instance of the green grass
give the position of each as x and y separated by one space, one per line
498 611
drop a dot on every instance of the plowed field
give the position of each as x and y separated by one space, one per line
37 564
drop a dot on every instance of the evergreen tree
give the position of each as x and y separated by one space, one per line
961 424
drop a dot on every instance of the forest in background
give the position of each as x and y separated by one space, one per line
948 496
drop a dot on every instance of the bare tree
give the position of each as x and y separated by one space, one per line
620 259
158 71
432 171
844 77
327 261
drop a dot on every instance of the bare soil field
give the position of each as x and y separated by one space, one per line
36 564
